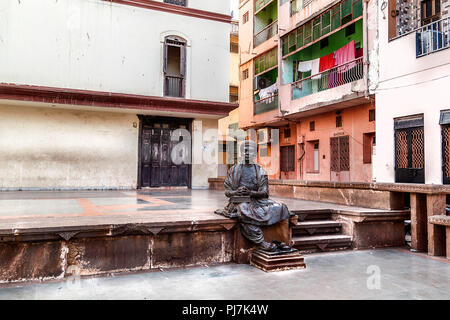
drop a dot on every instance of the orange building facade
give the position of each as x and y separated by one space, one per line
304 71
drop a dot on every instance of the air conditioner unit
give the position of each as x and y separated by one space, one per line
263 136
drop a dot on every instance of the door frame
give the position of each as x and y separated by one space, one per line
143 119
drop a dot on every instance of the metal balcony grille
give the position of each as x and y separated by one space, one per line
433 37
182 3
173 86
259 4
334 77
266 33
266 104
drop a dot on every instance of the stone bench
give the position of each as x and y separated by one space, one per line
441 235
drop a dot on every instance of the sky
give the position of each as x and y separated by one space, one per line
235 8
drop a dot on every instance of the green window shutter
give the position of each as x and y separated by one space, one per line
299 37
316 29
284 41
357 9
307 33
346 8
326 22
335 17
256 66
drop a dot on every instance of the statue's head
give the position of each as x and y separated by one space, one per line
248 150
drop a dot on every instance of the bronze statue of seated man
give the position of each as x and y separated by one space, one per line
247 187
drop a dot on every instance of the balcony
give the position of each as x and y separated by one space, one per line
298 5
266 33
266 104
260 4
433 37
174 86
181 3
332 78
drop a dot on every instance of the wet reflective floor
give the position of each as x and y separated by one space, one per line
371 274
100 203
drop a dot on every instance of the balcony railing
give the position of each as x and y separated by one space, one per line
174 86
266 104
298 5
266 33
259 4
433 37
334 77
181 3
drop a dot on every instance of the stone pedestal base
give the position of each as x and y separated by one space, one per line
276 261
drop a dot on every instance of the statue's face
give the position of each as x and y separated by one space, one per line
249 153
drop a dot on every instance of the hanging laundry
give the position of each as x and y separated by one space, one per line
304 66
268 93
359 53
344 55
315 64
327 62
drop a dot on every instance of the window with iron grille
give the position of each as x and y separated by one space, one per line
182 3
287 159
409 150
340 154
444 121
446 153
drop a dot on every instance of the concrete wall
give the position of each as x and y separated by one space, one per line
205 152
355 122
45 148
104 46
409 86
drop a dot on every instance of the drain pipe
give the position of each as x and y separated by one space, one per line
366 46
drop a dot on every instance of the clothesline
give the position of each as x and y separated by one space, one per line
341 56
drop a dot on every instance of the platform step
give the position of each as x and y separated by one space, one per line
269 262
308 215
320 243
316 227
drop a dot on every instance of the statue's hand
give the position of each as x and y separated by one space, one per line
230 193
243 191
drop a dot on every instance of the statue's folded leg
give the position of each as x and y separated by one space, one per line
255 235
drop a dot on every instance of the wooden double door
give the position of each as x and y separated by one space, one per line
158 168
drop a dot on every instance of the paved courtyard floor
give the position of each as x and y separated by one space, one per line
344 275
37 209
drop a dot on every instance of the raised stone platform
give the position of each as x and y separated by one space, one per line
50 235
277 261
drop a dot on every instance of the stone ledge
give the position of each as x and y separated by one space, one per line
377 186
440 220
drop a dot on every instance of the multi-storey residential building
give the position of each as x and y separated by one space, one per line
305 67
413 111
231 121
92 91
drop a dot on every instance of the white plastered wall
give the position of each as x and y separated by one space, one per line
46 148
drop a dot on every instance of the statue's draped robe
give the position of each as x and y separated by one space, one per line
260 211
